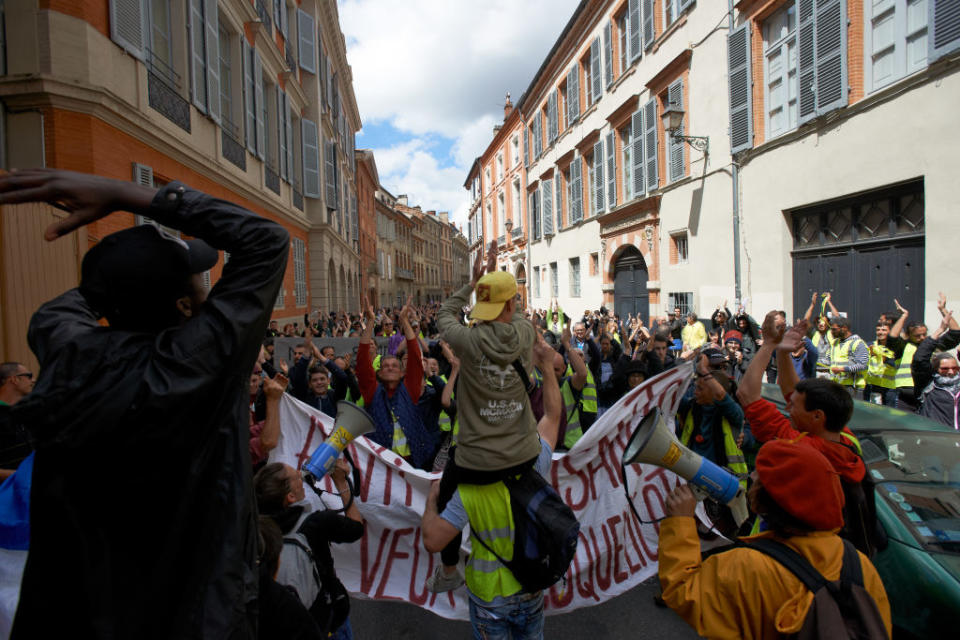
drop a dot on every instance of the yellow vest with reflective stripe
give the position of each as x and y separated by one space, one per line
735 460
904 377
824 354
446 424
879 373
839 356
488 508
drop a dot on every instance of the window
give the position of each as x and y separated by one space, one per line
486 186
594 263
515 214
896 40
587 81
574 277
536 282
502 213
514 151
622 40
673 8
160 47
227 81
683 299
554 283
626 158
780 68
499 166
488 231
533 205
679 249
300 272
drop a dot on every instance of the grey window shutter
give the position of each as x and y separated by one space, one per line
330 173
684 4
633 30
573 94
598 177
530 214
608 54
831 41
281 134
576 168
636 152
648 32
198 59
546 188
291 172
143 174
537 136
806 61
596 82
259 106
128 26
943 28
321 69
330 79
307 34
741 114
558 197
650 144
212 44
526 145
552 120
282 19
611 171
249 103
676 144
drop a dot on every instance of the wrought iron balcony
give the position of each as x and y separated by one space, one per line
163 97
405 274
264 14
271 178
516 233
291 61
233 149
501 241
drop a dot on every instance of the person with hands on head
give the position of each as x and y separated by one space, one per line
163 387
821 337
311 378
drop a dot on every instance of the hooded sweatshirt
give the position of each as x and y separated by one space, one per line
497 427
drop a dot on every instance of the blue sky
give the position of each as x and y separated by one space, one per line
430 78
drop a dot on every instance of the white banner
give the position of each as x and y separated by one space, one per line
615 552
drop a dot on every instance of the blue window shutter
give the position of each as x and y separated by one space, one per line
281 135
633 30
198 59
552 120
676 144
650 144
738 64
806 61
546 187
831 47
259 105
307 38
330 173
648 31
212 43
558 198
598 184
684 4
573 94
576 194
608 54
537 136
596 89
611 171
127 26
249 103
943 28
311 159
636 153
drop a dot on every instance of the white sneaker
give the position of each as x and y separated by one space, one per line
442 581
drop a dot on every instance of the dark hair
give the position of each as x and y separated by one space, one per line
780 521
271 544
329 346
661 337
271 486
8 369
840 321
940 357
827 396
268 342
914 324
318 368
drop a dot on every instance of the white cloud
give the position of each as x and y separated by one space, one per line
443 67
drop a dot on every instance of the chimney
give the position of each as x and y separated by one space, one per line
507 108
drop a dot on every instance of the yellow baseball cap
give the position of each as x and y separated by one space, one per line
493 290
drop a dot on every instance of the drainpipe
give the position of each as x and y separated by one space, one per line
735 174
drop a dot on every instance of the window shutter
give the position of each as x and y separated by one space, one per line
648 33
281 134
330 79
128 26
738 64
553 123
248 96
943 28
311 158
684 4
595 80
573 95
212 44
598 177
259 106
530 213
329 173
198 61
547 191
608 54
321 69
806 61
288 126
650 144
282 19
558 197
633 30
576 176
307 34
831 45
537 136
676 144
526 145
611 171
142 174
636 152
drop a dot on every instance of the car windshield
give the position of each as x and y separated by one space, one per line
918 473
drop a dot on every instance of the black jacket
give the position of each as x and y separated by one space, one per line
936 403
143 520
300 383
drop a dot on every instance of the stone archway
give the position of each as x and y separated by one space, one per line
521 275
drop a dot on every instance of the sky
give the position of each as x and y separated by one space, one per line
430 77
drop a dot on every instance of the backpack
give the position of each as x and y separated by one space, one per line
860 524
545 532
841 609
330 603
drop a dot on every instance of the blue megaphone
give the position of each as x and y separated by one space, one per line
351 422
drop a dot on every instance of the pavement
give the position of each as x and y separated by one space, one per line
629 615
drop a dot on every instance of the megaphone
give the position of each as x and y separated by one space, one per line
654 443
351 422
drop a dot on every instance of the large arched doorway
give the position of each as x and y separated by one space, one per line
521 276
630 295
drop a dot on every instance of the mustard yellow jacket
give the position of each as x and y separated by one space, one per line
744 593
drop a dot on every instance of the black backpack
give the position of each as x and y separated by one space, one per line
545 532
841 609
860 523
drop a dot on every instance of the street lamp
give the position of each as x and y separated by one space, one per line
672 118
508 225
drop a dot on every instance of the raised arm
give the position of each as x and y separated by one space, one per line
751 385
549 425
833 309
579 377
273 390
896 330
787 376
813 303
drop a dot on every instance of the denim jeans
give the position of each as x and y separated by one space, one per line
345 632
520 617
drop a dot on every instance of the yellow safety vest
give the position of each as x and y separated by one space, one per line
735 460
491 519
839 356
445 423
879 373
904 377
589 391
574 431
824 358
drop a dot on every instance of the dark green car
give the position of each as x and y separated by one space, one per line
915 464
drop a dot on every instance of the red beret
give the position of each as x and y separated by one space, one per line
802 481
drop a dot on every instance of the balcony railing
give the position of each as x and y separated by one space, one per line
297 199
291 61
516 233
271 178
502 241
405 274
233 149
163 97
264 14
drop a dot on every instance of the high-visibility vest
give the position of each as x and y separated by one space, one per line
879 373
904 377
446 424
572 409
491 519
589 391
821 340
735 460
839 356
356 401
